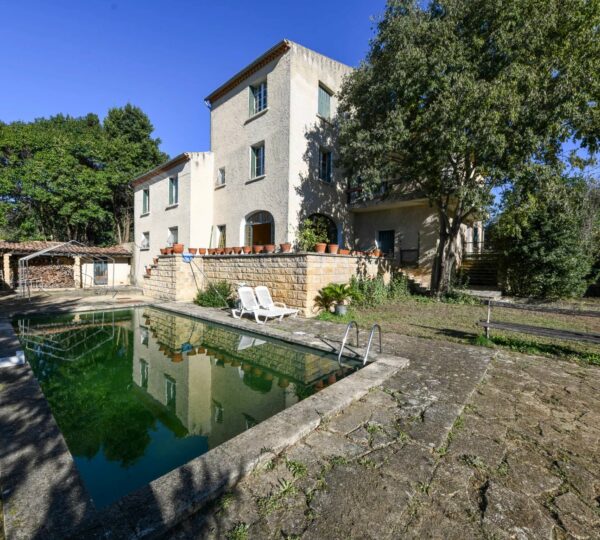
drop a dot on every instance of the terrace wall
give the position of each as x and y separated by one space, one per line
293 278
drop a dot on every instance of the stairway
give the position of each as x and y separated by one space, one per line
480 269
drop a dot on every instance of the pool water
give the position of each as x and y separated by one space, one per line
137 393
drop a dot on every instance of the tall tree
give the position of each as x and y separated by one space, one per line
65 178
454 99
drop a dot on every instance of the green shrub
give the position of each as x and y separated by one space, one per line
311 232
398 287
217 294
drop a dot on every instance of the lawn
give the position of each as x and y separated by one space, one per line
428 318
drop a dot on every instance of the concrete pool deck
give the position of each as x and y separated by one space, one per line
42 492
463 442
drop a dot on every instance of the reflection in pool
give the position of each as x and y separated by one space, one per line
137 393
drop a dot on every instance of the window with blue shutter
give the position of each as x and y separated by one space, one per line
324 102
325 165
257 160
258 98
173 190
146 201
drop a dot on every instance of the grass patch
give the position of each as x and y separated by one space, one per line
225 501
456 320
297 468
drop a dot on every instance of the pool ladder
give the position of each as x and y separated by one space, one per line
369 343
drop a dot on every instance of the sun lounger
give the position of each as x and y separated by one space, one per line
264 299
250 305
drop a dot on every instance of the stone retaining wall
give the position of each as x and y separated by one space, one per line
294 278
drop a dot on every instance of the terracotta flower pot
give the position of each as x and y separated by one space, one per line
376 253
344 252
177 357
178 248
201 251
193 251
333 248
155 260
163 251
270 248
220 251
201 350
246 250
237 250
286 247
192 352
257 249
320 247
169 251
148 271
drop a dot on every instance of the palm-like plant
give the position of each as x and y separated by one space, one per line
338 292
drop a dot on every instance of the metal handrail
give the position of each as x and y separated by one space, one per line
350 324
375 326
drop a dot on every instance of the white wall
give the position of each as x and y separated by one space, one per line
232 135
122 273
308 132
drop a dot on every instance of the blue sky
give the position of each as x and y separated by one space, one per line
81 56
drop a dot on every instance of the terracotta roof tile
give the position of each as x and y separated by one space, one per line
69 249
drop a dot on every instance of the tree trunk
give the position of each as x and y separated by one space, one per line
445 256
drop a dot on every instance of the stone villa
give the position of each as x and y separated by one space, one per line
272 163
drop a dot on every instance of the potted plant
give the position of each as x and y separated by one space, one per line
201 251
246 250
169 251
193 251
312 235
257 249
340 293
178 248
376 253
286 247
177 357
237 250
344 252
269 248
333 248
163 251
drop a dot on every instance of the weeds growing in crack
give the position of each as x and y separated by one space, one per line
367 463
338 460
423 487
225 501
297 468
474 461
239 532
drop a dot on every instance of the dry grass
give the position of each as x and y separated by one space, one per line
424 317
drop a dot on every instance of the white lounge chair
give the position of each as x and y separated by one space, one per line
264 299
250 305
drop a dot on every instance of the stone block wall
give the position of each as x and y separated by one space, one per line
294 278
173 279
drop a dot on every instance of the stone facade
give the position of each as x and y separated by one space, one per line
294 279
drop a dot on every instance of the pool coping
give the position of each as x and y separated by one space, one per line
50 501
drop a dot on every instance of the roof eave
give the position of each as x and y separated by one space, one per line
185 156
273 53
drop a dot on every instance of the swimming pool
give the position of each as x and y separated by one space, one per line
137 393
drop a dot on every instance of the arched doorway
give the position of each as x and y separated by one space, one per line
329 224
260 229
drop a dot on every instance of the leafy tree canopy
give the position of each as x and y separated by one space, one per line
456 98
547 233
65 178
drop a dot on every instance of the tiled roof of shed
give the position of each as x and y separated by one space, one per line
68 249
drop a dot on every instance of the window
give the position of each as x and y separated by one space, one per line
101 272
173 190
257 160
258 98
173 237
146 201
324 102
260 229
386 242
221 177
222 241
170 392
145 240
144 374
325 165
